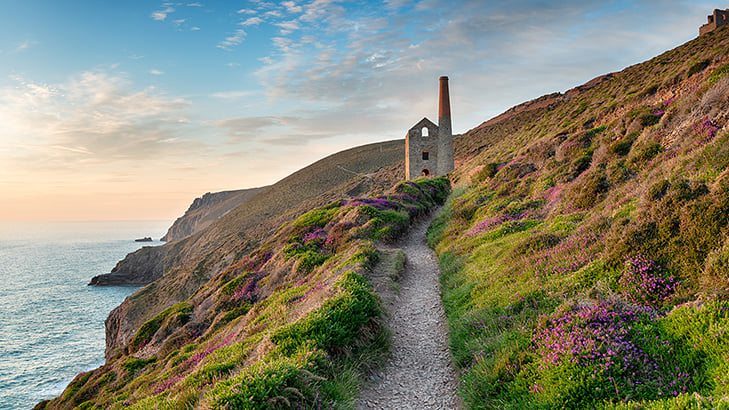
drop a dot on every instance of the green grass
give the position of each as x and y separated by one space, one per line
589 271
293 324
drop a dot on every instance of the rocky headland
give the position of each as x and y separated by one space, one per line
207 209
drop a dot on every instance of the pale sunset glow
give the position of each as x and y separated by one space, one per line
127 110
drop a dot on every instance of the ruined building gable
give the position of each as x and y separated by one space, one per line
715 20
421 150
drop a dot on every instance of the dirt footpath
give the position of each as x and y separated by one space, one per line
419 374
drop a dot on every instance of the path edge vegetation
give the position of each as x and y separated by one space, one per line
295 323
584 249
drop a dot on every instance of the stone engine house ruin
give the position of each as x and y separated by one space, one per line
429 147
716 20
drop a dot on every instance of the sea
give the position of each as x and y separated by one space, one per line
51 322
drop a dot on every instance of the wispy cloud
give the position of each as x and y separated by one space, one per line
253 21
234 40
289 25
246 128
25 45
161 15
233 95
291 7
95 118
156 72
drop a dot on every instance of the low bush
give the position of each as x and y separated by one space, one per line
337 323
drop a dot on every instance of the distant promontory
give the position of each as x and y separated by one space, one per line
207 209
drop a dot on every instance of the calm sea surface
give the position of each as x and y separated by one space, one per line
51 323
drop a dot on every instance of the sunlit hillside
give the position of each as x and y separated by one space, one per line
292 324
585 249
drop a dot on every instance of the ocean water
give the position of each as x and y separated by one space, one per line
51 323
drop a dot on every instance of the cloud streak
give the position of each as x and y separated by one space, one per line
95 118
161 15
360 62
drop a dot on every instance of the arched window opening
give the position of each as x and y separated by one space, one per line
426 155
424 132
425 172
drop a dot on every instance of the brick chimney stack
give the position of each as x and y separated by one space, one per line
444 109
445 134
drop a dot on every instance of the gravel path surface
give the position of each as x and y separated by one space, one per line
419 374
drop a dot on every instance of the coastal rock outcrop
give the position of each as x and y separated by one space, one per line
138 268
207 209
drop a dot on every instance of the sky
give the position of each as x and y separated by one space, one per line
128 110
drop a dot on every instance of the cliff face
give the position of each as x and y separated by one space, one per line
138 268
207 209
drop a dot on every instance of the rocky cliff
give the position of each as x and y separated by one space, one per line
207 209
138 268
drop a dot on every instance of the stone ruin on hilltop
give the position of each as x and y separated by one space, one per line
716 20
429 147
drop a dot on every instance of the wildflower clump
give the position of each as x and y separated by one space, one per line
604 350
643 282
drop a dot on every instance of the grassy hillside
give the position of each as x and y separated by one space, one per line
585 249
290 325
189 263
584 252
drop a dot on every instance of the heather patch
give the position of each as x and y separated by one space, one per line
643 282
279 328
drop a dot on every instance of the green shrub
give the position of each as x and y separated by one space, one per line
180 312
580 165
280 383
308 260
488 171
387 224
621 147
536 242
592 189
317 218
718 74
337 323
645 152
658 190
241 310
132 364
